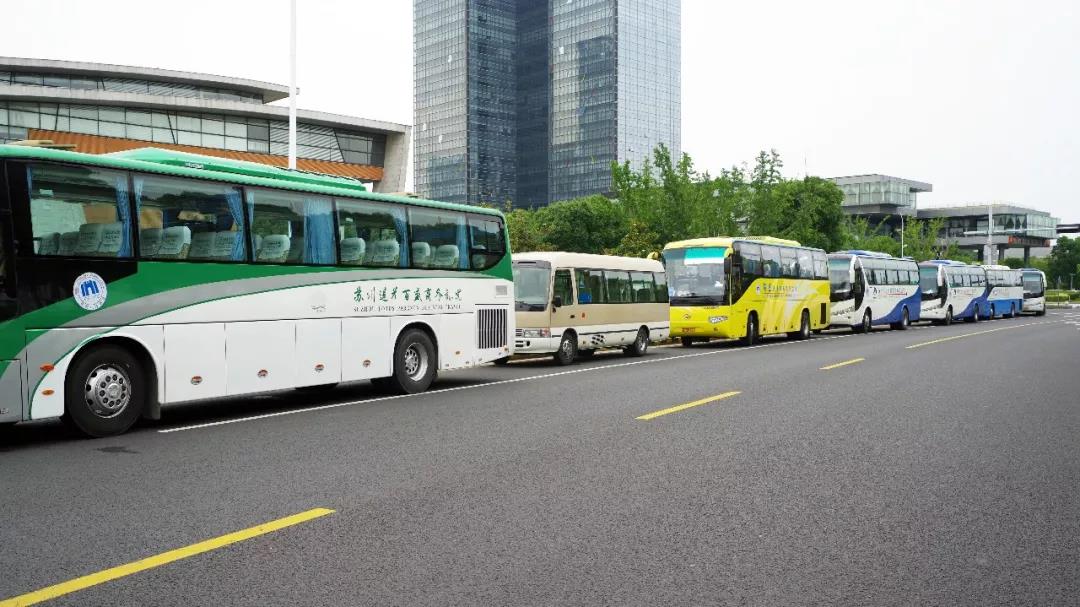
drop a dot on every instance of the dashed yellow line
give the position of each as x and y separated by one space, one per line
165 558
683 407
843 364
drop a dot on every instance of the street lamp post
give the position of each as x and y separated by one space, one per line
292 84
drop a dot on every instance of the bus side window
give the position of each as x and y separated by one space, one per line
84 211
660 281
438 239
590 284
644 291
196 219
372 234
305 220
770 258
806 263
487 242
821 265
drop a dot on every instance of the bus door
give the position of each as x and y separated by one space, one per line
568 314
8 293
858 287
11 384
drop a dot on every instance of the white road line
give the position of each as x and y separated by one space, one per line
515 380
489 384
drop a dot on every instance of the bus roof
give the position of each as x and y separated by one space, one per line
562 259
197 166
727 241
862 253
996 267
942 262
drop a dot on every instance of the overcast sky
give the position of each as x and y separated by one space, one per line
979 98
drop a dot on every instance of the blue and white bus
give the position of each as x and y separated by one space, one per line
1034 291
869 288
952 290
1004 291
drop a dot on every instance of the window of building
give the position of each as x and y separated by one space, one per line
79 211
189 219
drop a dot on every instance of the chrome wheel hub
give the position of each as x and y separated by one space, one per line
107 391
416 362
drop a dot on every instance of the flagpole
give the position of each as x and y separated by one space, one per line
292 84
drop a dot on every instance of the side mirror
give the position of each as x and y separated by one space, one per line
727 265
557 302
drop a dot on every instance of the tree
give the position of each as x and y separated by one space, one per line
1063 261
525 231
859 234
638 242
809 211
583 225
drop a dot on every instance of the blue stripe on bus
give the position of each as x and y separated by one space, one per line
914 307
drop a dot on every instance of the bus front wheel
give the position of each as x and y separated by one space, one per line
104 392
948 317
415 362
567 351
866 325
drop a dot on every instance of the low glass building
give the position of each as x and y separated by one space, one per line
99 108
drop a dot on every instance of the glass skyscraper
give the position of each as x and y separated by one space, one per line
530 101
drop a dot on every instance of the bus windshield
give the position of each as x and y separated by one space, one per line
696 276
1033 284
840 275
928 280
531 287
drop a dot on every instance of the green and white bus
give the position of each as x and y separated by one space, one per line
151 277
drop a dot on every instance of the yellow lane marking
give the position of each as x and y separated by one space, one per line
165 558
683 407
945 339
843 364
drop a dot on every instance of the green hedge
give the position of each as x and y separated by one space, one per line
1059 296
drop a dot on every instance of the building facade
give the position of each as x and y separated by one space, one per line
531 101
1017 231
101 108
880 197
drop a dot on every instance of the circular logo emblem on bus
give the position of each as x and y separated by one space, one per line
90 291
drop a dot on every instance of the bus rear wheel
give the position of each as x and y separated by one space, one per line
640 345
974 315
686 341
905 321
751 337
104 392
993 312
804 327
567 351
415 362
1012 311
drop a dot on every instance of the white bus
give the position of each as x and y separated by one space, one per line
150 277
1005 291
1034 291
572 304
869 288
952 290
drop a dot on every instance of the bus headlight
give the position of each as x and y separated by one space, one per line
536 333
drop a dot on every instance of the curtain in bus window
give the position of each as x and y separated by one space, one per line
401 223
319 245
123 212
462 244
236 208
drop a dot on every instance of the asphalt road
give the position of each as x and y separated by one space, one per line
942 468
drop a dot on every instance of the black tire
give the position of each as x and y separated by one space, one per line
974 315
752 331
502 362
686 341
948 317
640 345
567 351
416 362
1012 311
905 321
867 323
804 327
993 312
1041 312
104 392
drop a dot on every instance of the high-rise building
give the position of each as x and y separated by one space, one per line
530 101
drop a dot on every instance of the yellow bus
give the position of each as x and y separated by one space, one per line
745 288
